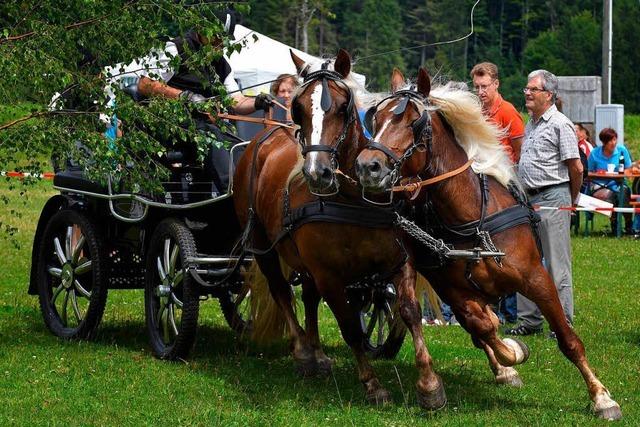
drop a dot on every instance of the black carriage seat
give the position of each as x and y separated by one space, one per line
247 131
74 179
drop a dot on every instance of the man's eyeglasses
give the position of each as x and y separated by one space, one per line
533 90
483 88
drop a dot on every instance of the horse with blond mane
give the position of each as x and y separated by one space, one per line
436 149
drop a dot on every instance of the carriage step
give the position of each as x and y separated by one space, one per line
217 260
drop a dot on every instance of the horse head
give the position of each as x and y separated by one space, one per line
324 108
401 128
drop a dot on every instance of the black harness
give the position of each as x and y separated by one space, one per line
422 129
477 232
326 75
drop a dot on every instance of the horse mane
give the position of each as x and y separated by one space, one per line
479 138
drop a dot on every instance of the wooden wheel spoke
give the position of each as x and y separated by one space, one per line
74 305
177 280
77 250
83 268
173 259
172 320
167 256
81 289
55 271
59 252
67 242
161 271
175 300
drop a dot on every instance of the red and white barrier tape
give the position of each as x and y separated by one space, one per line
14 174
586 209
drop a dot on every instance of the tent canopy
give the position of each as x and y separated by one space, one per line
263 59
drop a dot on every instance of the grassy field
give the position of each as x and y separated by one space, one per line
116 381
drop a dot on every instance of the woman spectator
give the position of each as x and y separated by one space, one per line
585 149
607 189
283 88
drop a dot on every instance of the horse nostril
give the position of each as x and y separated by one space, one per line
326 174
375 166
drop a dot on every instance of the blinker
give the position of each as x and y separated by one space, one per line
401 107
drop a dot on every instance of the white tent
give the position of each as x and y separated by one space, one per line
263 59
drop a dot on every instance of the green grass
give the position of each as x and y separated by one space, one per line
116 381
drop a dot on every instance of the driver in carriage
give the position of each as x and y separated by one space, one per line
154 75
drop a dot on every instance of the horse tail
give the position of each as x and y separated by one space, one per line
423 287
268 320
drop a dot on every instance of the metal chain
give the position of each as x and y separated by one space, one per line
435 245
488 244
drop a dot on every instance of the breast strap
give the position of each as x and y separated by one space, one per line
495 223
338 213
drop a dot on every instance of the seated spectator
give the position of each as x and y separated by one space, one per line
607 189
283 88
585 149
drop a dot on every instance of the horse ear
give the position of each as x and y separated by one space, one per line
397 80
424 82
299 63
343 63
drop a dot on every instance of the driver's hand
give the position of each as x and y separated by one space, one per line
263 101
195 98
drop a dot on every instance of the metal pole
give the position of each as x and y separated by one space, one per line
607 39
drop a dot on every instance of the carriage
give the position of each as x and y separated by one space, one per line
178 246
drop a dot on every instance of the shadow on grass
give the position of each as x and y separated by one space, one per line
267 374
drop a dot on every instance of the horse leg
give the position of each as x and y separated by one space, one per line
311 300
281 291
477 318
429 388
504 375
485 322
542 291
351 330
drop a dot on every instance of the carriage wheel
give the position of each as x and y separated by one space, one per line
236 307
171 296
71 285
381 323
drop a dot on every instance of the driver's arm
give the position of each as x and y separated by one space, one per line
149 88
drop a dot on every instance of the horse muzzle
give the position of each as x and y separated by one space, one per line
320 178
374 175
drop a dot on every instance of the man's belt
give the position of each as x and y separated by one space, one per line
535 191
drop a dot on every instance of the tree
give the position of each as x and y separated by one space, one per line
51 46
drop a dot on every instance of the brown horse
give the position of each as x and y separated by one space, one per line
427 134
273 180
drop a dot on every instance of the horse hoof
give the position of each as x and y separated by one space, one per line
307 368
433 400
606 408
379 397
610 414
509 377
520 348
324 366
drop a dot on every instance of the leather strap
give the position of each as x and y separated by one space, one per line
414 187
266 122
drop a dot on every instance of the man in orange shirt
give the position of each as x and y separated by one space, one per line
496 109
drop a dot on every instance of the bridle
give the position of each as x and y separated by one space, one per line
326 75
422 129
422 133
